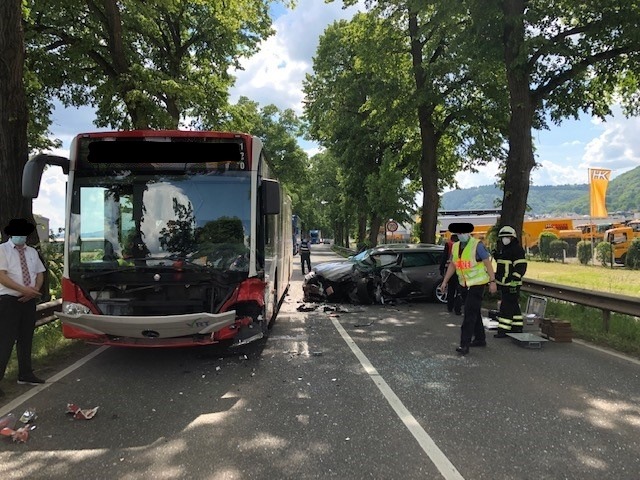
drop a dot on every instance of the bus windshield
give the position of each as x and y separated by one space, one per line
128 219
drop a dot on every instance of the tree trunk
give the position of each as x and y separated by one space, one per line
14 149
376 223
428 158
342 231
429 174
362 228
122 65
335 225
520 160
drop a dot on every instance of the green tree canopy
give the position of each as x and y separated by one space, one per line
454 120
150 64
349 105
279 130
560 58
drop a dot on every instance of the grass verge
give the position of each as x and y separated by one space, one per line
586 322
617 280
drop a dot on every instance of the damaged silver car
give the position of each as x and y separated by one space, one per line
379 275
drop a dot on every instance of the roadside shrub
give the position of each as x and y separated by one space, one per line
571 250
557 249
544 242
603 253
585 253
633 255
54 263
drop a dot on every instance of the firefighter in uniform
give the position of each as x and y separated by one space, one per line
471 261
511 266
305 254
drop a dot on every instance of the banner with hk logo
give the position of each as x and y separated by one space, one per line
598 182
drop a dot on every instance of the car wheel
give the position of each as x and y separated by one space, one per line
439 295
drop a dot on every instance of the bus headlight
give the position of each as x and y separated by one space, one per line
71 308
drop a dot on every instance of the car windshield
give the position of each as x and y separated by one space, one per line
360 256
375 258
363 258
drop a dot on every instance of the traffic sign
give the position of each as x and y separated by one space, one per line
392 226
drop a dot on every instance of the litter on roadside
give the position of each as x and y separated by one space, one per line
358 325
29 415
20 435
9 421
83 414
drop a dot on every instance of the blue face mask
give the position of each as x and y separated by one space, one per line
19 239
463 237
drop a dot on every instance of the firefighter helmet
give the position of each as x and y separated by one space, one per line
507 232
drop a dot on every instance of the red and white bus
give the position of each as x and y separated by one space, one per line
172 238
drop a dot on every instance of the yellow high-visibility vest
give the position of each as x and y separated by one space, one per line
470 271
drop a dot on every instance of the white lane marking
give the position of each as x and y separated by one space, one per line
442 463
622 356
16 402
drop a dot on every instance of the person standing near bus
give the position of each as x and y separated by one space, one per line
305 254
511 265
471 261
21 276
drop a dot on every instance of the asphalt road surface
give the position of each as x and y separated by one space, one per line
376 392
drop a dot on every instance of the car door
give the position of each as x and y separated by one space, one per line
423 269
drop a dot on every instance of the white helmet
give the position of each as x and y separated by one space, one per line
507 231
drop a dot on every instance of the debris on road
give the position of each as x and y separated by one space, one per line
21 435
306 308
29 415
86 414
325 308
357 325
8 421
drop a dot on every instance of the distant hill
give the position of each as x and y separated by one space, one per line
623 195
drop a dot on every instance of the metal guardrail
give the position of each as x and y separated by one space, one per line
45 312
607 302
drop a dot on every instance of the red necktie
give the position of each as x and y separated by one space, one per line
26 278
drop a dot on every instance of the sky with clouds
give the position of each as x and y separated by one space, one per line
275 75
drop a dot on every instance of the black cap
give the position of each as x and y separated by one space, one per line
461 227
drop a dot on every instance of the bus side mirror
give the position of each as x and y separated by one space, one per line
270 197
32 172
